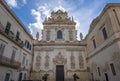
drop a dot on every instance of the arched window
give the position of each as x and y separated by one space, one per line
59 34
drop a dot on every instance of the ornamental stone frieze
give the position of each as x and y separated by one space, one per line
38 62
59 59
81 61
72 58
44 49
47 61
75 49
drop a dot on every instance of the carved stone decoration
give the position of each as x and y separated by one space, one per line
59 17
48 35
70 35
81 61
38 62
72 58
46 61
59 59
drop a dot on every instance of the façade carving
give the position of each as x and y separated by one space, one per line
72 58
59 59
38 62
46 61
81 61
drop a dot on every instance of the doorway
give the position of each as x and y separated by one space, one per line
60 73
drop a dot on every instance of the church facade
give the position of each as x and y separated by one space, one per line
59 53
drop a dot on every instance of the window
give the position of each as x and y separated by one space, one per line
94 43
25 76
28 45
92 76
7 29
113 69
106 77
7 77
104 33
17 36
2 47
23 61
99 71
59 34
20 77
26 62
13 55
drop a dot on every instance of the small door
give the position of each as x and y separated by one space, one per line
7 77
60 73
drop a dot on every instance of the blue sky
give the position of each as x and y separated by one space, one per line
33 12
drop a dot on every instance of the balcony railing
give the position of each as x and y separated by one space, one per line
11 36
9 63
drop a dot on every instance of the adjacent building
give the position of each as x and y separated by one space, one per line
15 47
103 45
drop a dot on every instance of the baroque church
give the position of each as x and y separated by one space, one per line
59 54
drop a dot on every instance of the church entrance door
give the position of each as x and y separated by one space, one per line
60 73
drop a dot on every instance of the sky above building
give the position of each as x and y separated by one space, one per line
33 12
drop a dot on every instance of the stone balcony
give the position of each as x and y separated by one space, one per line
9 63
11 36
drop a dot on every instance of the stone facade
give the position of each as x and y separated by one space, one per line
59 46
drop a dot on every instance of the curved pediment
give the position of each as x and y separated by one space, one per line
59 17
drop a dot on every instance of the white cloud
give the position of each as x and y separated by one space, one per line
39 14
82 15
24 1
12 3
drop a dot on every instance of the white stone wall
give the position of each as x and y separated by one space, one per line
5 17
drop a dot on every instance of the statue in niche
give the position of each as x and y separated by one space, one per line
81 61
38 60
72 58
37 36
81 36
46 61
